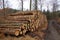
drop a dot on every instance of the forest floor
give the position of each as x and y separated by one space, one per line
52 33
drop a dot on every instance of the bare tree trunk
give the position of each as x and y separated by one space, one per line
41 7
3 8
40 4
54 8
55 5
30 4
22 4
48 7
35 4
3 4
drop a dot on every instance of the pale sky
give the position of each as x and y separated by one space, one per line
17 5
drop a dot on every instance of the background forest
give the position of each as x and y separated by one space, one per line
49 7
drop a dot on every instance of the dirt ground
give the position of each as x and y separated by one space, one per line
52 34
19 38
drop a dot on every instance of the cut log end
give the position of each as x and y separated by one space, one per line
17 33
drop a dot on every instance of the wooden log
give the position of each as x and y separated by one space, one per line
22 27
24 31
16 32
21 33
31 30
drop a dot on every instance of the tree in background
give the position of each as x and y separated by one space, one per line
7 4
3 4
35 4
22 4
55 5
40 4
30 4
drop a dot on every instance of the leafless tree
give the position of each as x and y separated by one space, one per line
0 4
3 4
40 4
35 4
7 4
55 5
30 4
22 4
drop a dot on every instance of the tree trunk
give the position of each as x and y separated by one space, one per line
35 4
3 4
22 4
30 4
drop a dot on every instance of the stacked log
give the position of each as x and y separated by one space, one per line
21 22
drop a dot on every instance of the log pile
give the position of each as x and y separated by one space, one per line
21 22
